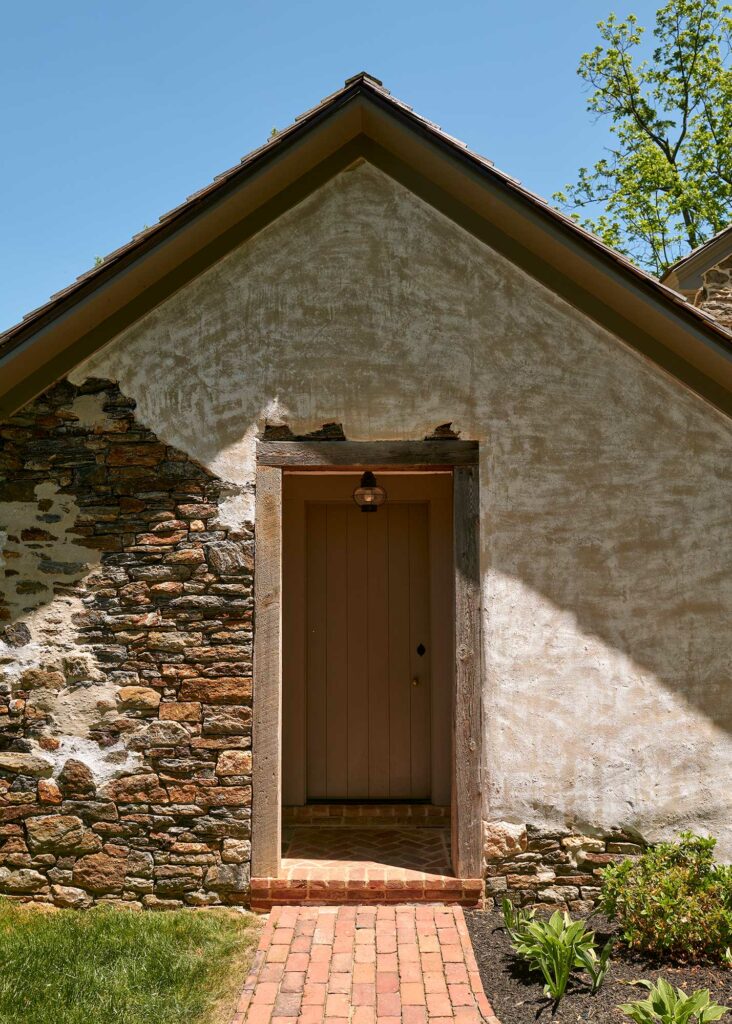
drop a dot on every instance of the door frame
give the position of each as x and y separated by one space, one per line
467 730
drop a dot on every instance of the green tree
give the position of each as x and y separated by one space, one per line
665 185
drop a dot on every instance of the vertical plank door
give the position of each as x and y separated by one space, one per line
368 652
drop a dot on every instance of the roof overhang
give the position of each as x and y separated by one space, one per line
362 121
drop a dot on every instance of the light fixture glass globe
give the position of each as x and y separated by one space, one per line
368 495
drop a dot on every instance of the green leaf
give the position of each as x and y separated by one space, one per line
713 1012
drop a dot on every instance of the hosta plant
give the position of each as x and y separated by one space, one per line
516 919
554 948
595 965
668 1005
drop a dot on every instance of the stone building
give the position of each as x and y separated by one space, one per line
207 649
704 277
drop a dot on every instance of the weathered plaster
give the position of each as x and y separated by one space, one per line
37 552
51 560
606 487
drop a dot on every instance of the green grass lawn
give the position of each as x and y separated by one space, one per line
109 966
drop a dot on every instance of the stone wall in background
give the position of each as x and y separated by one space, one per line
125 663
715 296
555 868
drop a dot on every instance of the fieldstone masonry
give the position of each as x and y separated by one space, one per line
715 295
554 868
125 664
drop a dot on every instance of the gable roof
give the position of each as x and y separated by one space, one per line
686 275
363 120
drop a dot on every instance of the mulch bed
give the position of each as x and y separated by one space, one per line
517 994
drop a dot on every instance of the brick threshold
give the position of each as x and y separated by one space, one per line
267 893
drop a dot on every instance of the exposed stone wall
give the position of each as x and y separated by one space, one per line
715 295
125 663
551 868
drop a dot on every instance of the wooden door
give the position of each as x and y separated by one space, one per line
368 651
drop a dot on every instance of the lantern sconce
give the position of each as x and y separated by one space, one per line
368 495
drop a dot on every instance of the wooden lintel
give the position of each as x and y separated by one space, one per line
367 454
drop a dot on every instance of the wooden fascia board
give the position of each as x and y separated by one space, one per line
687 275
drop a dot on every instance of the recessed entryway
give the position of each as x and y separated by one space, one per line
367 631
366 689
367 852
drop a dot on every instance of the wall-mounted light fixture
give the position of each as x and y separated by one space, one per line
368 495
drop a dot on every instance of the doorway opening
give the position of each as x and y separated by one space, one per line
367 672
367 632
359 721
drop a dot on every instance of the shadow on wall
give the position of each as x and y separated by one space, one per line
607 609
636 555
606 487
603 577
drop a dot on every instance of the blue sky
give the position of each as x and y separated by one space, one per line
113 113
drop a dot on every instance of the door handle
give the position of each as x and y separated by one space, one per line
415 681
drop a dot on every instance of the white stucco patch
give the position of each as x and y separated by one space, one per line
105 763
606 487
40 556
89 411
33 562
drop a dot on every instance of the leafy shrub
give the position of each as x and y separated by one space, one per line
673 901
555 948
668 1005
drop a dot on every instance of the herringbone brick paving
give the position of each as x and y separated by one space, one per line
364 965
407 852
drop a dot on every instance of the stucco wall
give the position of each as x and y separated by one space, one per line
606 488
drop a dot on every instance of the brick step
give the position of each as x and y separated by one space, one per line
368 815
272 892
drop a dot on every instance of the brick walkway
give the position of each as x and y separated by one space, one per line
364 965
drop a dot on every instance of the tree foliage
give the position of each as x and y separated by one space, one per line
665 185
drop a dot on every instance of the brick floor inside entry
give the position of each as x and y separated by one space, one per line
347 864
364 965
368 852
